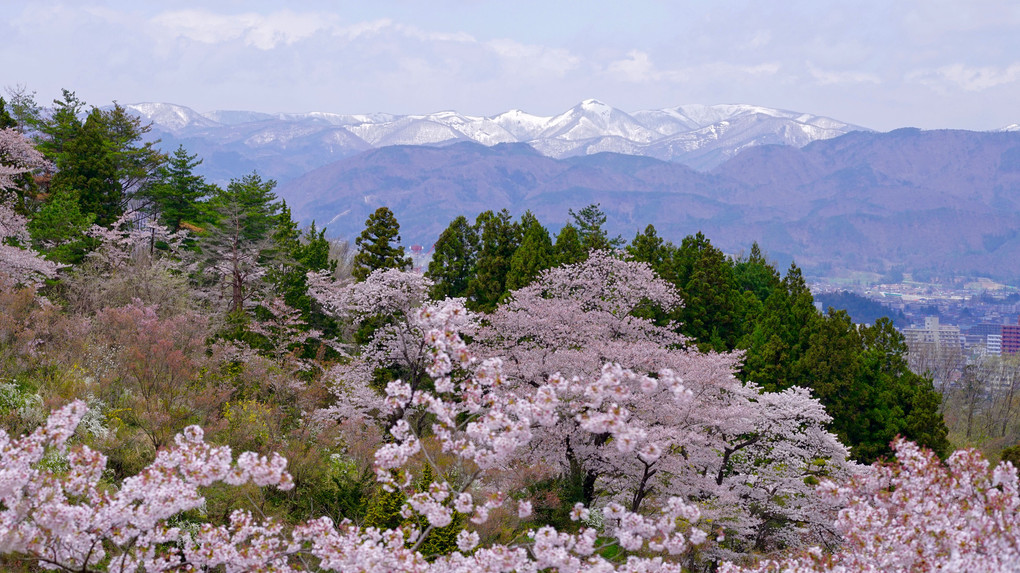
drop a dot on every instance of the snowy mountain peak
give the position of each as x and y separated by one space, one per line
595 106
170 116
701 136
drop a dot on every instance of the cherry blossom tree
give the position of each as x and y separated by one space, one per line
17 156
56 509
18 263
750 457
919 514
134 259
384 308
915 515
64 518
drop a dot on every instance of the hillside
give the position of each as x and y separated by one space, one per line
946 202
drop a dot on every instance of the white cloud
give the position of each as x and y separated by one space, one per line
829 77
979 78
263 31
555 60
636 67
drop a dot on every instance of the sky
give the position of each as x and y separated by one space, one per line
881 64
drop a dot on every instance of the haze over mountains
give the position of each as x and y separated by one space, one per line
284 146
832 196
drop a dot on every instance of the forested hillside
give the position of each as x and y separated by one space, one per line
939 202
577 402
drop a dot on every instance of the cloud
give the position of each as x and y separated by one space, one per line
558 61
829 77
967 78
979 78
638 67
263 31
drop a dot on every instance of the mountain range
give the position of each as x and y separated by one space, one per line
286 145
835 197
935 203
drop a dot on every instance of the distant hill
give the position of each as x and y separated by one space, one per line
862 310
947 202
286 145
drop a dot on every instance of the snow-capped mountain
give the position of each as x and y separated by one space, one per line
701 136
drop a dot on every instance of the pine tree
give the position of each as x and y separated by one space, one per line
87 167
101 159
58 228
6 120
499 238
649 247
589 222
440 540
533 256
378 245
248 214
176 196
453 261
568 249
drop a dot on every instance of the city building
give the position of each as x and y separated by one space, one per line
993 344
934 336
1011 338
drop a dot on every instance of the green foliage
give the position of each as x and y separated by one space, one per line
648 247
534 255
384 511
6 120
247 217
177 193
102 158
589 222
1011 454
378 245
713 306
568 249
756 275
58 228
499 238
87 167
440 540
453 261
247 209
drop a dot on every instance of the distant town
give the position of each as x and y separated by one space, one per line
947 327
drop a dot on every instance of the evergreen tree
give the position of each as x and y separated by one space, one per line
248 216
780 335
378 245
649 247
6 120
58 228
62 126
177 194
568 249
499 238
453 261
533 256
831 366
756 275
88 168
440 540
918 417
102 158
713 308
589 222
